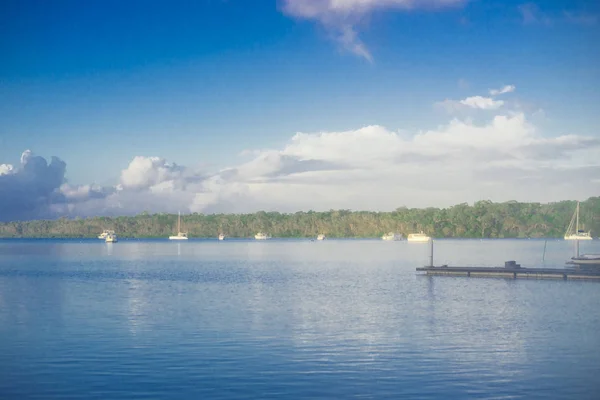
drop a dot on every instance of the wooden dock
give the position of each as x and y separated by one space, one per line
513 273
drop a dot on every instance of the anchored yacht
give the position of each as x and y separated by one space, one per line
573 232
180 235
262 236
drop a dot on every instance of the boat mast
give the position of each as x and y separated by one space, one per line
179 223
577 225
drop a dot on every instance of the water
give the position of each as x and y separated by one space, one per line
291 319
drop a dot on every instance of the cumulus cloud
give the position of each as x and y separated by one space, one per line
341 17
504 157
28 189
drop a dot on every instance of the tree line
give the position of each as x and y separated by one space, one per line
484 219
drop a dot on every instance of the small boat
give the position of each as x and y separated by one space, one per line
392 236
221 236
105 233
262 236
586 261
321 237
180 235
573 232
111 238
418 237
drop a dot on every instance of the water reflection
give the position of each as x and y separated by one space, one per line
109 249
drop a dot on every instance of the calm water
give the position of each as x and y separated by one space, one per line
291 319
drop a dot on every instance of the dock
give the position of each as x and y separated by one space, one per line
513 273
512 270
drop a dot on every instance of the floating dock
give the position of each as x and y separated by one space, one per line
512 270
513 273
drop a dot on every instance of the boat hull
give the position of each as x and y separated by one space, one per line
178 238
418 239
578 237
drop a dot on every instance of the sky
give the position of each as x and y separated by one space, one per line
114 108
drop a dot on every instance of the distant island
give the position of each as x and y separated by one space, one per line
484 219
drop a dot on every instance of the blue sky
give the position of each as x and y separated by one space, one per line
98 83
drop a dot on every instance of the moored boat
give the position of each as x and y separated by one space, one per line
418 237
392 236
573 232
105 233
180 235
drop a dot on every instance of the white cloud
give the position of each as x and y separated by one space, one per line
476 102
6 169
483 103
503 158
505 89
341 17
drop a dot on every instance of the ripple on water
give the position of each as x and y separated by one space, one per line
342 319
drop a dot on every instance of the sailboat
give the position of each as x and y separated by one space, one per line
180 235
573 231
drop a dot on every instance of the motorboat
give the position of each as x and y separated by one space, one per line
105 233
418 237
392 236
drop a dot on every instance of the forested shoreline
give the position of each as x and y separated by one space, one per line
484 219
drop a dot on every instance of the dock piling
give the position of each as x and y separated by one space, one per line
431 252
544 254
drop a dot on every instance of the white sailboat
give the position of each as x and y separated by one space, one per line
573 232
180 235
262 236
